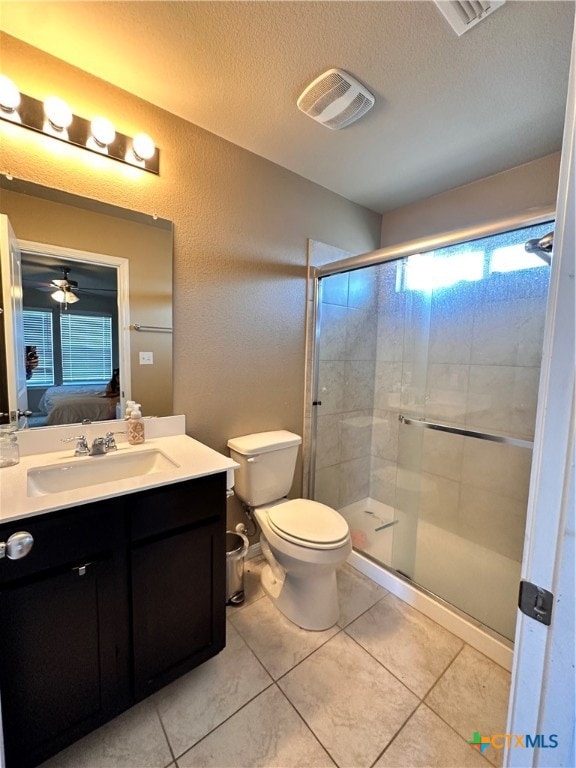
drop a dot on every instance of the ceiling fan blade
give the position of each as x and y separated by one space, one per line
65 285
40 286
91 290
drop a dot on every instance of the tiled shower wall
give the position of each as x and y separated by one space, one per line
347 366
468 355
471 357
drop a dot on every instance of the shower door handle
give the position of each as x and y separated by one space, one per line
516 441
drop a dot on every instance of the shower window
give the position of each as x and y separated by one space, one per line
440 269
467 262
428 372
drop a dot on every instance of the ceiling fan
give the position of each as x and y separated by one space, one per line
64 290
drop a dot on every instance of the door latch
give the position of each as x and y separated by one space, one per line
536 602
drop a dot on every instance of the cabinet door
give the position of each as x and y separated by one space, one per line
58 660
178 594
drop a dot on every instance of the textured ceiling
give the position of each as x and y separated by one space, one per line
448 110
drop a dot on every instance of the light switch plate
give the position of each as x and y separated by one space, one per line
146 358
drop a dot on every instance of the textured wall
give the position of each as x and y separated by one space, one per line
241 225
520 189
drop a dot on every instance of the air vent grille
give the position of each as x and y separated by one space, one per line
462 15
358 107
315 101
335 99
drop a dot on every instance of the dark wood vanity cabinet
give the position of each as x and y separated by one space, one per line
63 631
178 556
115 599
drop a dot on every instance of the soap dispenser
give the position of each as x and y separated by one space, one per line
135 426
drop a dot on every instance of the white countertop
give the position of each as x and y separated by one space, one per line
193 459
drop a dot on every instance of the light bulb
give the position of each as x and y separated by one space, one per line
64 297
9 94
58 296
143 146
58 113
102 131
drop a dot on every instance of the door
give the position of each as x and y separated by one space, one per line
88 267
178 578
428 380
56 690
14 348
542 694
175 619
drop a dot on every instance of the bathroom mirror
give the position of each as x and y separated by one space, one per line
121 261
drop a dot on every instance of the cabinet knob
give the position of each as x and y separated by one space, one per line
17 546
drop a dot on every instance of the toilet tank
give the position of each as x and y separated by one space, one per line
267 462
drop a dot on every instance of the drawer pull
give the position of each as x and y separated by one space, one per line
81 569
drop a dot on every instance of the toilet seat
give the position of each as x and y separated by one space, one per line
308 524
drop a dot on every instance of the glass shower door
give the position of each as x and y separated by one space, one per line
467 422
430 368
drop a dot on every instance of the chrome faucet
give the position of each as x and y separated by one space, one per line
110 441
100 445
105 444
81 446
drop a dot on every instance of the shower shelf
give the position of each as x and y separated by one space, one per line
466 432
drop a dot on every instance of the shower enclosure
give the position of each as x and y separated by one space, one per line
426 382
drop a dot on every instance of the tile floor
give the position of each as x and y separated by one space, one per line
386 687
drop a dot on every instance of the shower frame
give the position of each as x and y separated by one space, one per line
395 253
378 257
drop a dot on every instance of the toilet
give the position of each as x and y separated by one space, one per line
303 541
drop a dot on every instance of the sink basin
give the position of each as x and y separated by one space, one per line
95 470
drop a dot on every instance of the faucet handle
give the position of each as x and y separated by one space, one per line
110 441
81 445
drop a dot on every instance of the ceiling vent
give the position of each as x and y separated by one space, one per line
462 15
335 99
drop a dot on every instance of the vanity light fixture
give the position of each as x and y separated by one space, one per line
102 135
9 100
9 95
58 113
56 119
143 147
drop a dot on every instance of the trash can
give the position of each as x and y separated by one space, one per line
236 549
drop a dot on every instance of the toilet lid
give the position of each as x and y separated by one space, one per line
308 523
